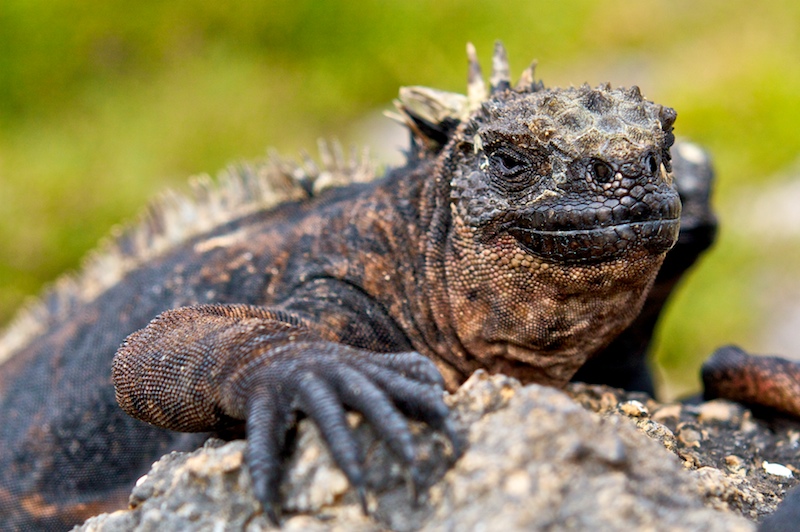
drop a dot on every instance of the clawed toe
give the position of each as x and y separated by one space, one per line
385 389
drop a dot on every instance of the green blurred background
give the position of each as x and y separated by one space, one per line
102 104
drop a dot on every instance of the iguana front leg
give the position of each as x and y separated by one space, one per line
206 368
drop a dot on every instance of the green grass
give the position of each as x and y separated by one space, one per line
102 104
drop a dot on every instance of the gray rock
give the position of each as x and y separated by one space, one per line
535 460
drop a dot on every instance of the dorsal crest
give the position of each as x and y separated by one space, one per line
175 217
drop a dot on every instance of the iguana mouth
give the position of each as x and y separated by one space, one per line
601 243
575 232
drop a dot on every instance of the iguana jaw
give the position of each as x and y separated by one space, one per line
599 244
566 229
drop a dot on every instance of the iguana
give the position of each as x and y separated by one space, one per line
522 236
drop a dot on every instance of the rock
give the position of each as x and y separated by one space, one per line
721 444
535 458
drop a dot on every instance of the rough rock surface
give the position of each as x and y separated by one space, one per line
535 459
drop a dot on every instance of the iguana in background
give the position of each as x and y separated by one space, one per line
523 235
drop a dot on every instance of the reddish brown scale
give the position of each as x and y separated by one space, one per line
770 382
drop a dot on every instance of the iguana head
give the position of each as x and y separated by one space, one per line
562 210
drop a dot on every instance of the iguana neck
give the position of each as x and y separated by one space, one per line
434 333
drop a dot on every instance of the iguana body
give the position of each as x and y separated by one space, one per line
522 237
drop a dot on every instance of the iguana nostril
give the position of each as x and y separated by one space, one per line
651 164
602 172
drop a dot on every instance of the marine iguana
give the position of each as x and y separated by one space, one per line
522 236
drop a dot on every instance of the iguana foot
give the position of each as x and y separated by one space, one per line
385 388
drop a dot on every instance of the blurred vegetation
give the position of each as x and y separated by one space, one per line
104 103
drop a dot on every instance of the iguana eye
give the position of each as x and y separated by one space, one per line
601 171
508 162
651 163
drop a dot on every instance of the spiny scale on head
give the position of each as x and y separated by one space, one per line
174 217
501 78
476 88
431 115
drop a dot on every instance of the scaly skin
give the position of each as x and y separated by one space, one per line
765 382
522 236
